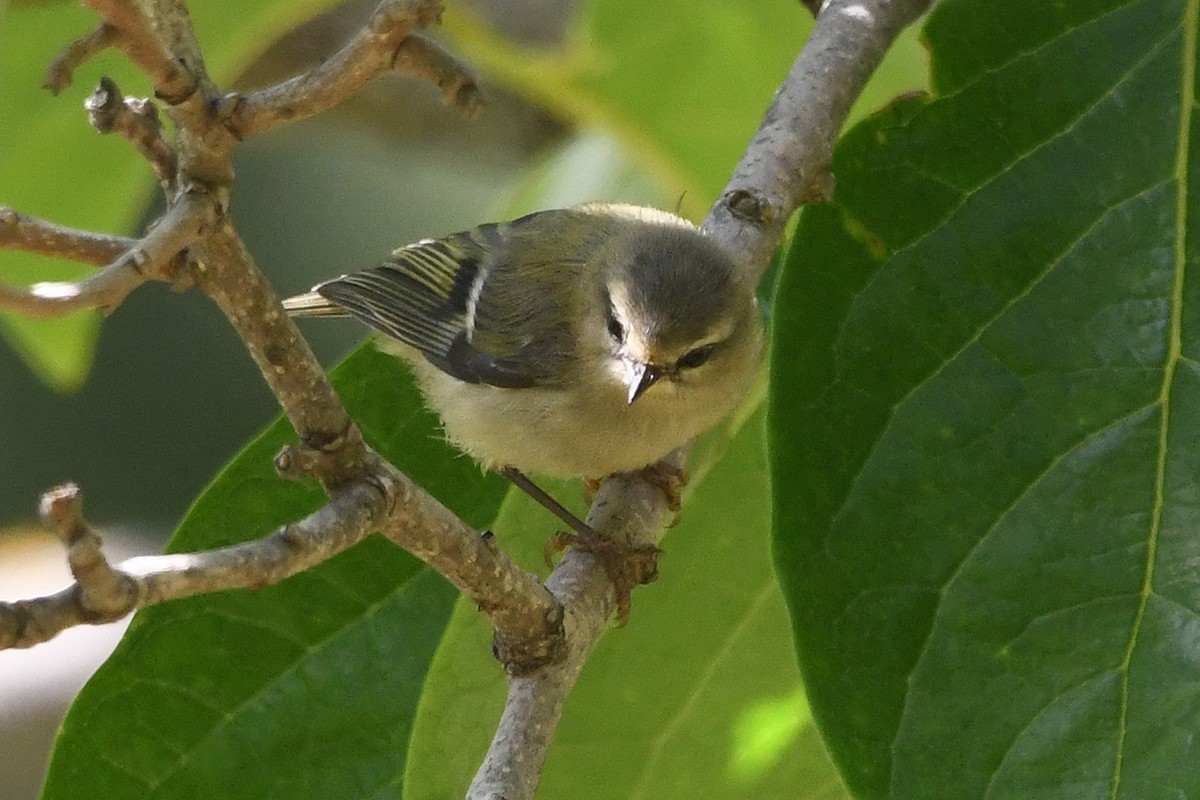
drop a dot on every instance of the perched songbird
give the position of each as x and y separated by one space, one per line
571 343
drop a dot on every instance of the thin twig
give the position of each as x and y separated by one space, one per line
33 235
151 258
104 593
372 52
137 121
132 31
61 70
513 598
424 58
786 159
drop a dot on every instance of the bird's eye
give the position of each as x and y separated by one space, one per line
615 329
695 357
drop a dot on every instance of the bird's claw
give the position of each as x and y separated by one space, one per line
670 480
625 566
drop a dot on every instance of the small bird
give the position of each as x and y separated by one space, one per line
571 343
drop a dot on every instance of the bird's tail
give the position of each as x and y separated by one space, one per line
311 304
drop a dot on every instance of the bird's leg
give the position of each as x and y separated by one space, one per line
522 482
625 566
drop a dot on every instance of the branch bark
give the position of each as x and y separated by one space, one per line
151 258
32 235
385 44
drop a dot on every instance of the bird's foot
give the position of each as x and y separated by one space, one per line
625 566
670 480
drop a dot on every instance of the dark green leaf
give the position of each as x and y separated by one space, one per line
983 417
304 689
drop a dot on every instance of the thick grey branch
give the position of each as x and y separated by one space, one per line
787 162
383 45
788 157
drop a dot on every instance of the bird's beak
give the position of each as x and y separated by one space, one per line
641 377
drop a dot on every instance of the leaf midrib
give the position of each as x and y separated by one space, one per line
1174 354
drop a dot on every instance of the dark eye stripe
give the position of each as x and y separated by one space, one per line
615 329
695 358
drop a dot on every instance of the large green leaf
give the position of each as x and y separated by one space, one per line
984 416
697 697
304 689
53 165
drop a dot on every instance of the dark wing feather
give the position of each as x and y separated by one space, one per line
421 297
460 302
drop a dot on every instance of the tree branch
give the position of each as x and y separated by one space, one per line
61 71
151 258
137 121
424 58
385 44
33 235
103 593
129 27
785 164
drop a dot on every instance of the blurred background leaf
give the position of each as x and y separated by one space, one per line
83 180
983 427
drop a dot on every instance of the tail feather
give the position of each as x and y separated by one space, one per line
311 304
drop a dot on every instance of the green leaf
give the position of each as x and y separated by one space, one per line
682 84
53 165
984 416
697 696
303 689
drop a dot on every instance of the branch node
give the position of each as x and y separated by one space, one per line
749 205
335 460
290 462
522 655
136 120
181 97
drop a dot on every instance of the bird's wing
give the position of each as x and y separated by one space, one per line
430 296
